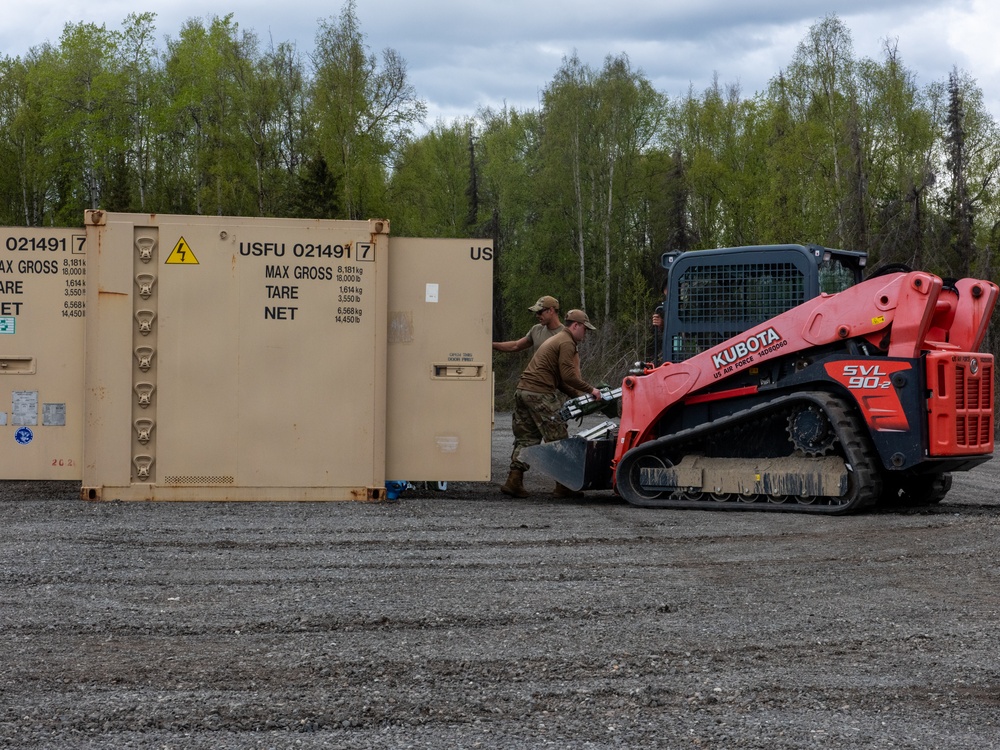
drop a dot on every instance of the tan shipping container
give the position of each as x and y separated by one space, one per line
279 359
43 276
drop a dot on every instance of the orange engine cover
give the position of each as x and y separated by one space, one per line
960 404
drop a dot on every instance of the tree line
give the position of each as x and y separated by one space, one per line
580 196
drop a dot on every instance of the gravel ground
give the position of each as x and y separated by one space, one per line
465 619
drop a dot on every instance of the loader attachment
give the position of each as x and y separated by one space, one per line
579 462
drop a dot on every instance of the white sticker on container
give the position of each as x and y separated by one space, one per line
432 293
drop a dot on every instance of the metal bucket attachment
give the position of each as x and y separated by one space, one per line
575 462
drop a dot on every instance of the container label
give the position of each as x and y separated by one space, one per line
25 408
301 279
54 415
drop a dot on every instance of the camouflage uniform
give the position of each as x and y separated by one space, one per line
536 419
552 374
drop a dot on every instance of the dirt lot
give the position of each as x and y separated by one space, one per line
465 619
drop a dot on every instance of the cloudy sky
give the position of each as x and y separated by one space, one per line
463 55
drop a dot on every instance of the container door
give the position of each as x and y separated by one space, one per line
440 379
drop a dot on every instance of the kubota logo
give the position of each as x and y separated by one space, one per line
757 343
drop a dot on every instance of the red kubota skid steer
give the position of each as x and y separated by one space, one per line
877 392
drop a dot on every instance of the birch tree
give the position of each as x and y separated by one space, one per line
363 112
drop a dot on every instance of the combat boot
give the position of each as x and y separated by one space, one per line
562 491
514 485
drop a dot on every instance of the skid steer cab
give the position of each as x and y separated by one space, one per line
790 383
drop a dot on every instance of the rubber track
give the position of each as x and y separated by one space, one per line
865 483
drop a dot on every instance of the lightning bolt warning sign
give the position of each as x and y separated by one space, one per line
182 254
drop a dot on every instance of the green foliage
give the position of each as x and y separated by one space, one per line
580 198
317 196
429 190
507 146
208 108
363 114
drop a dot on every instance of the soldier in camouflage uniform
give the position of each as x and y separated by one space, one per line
554 372
546 312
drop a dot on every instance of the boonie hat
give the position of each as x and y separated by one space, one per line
544 302
579 316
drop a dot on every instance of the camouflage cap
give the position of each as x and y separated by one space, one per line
544 302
